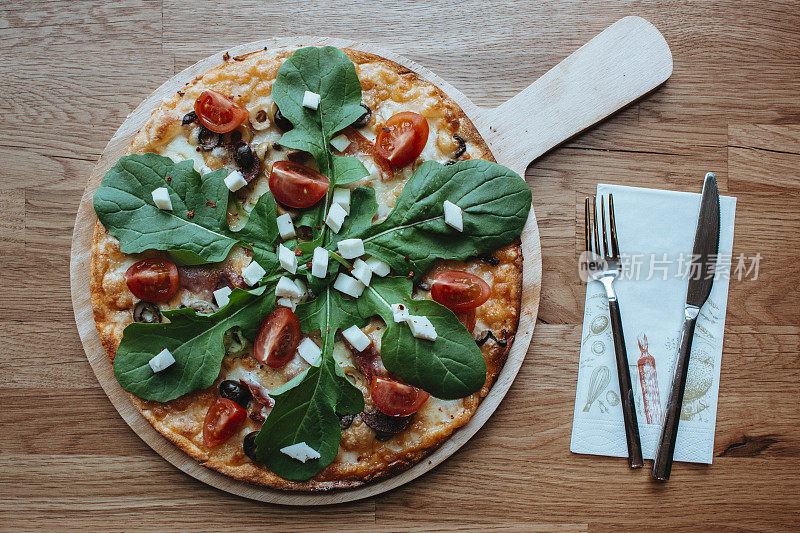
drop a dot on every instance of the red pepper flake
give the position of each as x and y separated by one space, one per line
406 258
319 227
209 203
410 275
405 299
169 179
416 309
298 252
308 264
226 56
190 214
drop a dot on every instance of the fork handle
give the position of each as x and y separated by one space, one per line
625 388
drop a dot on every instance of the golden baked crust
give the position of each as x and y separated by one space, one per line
362 458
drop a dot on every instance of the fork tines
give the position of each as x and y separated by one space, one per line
592 232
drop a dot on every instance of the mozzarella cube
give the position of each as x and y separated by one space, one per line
161 361
308 350
287 288
452 216
222 296
286 227
342 197
349 285
400 312
311 100
253 273
335 217
287 259
362 272
161 199
301 452
357 338
235 181
351 248
421 327
319 264
378 267
340 142
301 286
287 302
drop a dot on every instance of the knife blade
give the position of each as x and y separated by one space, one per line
702 268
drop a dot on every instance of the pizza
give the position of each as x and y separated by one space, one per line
306 269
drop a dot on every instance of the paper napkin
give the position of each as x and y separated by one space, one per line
656 234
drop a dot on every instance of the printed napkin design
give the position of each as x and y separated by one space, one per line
656 234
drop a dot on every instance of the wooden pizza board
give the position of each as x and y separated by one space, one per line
624 62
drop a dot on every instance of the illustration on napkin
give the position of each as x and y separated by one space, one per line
597 384
651 400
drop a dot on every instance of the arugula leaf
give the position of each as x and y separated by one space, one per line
495 203
306 407
195 341
450 367
347 169
196 230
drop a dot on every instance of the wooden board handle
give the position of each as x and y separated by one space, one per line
627 60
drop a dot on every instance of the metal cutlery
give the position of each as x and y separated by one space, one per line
603 265
704 259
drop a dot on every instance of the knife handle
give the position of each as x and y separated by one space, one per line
662 465
625 388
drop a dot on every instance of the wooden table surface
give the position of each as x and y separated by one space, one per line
71 71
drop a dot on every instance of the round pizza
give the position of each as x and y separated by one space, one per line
307 269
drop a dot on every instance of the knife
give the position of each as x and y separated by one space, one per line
704 259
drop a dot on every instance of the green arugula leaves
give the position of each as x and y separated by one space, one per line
495 203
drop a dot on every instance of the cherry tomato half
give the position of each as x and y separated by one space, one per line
296 185
218 113
402 138
223 419
278 338
467 318
153 280
396 399
458 290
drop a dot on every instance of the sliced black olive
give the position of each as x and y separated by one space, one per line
282 122
450 162
232 138
207 139
486 335
345 421
249 446
384 425
298 156
146 312
277 147
462 147
243 155
489 258
202 306
188 118
363 119
236 391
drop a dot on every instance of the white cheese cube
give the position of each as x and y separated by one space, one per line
362 272
301 452
253 273
235 181
311 100
342 197
351 248
161 361
319 264
349 285
340 142
301 286
378 267
400 312
287 259
286 227
287 288
287 302
357 338
161 199
421 327
308 350
205 169
222 296
452 216
335 217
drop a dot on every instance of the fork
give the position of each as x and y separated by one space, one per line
603 265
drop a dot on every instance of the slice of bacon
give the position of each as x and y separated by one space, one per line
369 361
260 394
361 145
204 279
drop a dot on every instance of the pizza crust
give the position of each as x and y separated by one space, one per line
112 302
